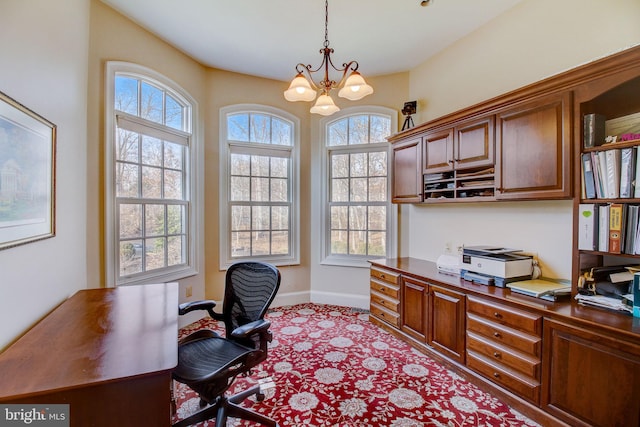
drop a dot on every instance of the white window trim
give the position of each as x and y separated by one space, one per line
194 190
225 232
361 261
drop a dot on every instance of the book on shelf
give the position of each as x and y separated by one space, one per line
603 228
587 226
627 171
613 173
594 130
587 175
616 225
631 229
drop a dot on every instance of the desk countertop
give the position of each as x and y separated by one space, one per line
96 336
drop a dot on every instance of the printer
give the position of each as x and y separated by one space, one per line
490 265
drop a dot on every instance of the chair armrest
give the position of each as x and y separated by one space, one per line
208 305
251 328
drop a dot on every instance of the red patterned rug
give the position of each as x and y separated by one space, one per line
332 367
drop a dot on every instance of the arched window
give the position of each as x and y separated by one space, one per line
358 215
258 185
150 184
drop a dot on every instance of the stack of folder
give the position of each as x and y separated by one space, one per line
542 288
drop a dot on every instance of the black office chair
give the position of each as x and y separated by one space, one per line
209 363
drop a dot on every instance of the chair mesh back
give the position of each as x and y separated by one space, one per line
250 288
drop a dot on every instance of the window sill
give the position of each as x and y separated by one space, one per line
340 261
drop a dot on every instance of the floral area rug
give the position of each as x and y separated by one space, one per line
332 367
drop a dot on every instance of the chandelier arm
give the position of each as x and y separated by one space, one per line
306 69
351 66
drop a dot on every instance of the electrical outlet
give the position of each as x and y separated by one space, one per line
189 291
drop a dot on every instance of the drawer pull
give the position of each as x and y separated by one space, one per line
496 355
382 276
381 289
496 375
497 315
496 334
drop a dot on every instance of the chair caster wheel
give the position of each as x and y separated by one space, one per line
203 403
260 397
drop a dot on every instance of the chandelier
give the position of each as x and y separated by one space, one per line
303 88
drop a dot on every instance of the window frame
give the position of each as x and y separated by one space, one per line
192 174
325 152
293 258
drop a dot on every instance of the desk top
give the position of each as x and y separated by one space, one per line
96 336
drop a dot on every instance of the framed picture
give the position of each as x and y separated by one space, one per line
27 175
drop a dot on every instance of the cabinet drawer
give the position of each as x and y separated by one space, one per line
391 291
385 315
381 300
525 387
506 315
385 275
502 334
514 359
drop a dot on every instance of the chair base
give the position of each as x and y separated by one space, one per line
226 407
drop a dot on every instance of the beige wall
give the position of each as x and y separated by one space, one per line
43 46
534 40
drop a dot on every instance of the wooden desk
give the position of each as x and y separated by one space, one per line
108 353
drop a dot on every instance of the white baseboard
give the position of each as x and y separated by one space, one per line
290 298
333 298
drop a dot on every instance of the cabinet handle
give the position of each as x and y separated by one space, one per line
382 276
497 315
496 375
496 355
496 334
381 289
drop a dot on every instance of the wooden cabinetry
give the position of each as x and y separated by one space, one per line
407 171
505 345
447 322
415 311
385 296
534 149
591 379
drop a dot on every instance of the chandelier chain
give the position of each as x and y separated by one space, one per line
326 23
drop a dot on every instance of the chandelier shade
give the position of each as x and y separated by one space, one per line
303 87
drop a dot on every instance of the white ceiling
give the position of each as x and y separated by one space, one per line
267 38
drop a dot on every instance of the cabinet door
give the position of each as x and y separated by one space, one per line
414 306
533 150
438 151
474 144
590 379
407 172
447 328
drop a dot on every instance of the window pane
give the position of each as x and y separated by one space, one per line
154 253
279 190
378 164
260 243
240 244
338 133
260 218
173 185
260 189
281 132
240 164
279 243
126 180
357 217
173 115
339 242
377 243
357 243
339 217
240 218
240 187
259 166
151 182
154 220
358 164
280 218
339 165
380 129
130 221
340 190
126 95
173 155
151 103
358 190
238 127
260 128
127 146
151 151
279 167
358 130
176 254
377 189
377 218
176 219
130 257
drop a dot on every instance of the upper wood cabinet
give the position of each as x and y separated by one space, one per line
437 151
474 144
407 171
534 148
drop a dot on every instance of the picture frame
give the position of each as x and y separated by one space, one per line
27 175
